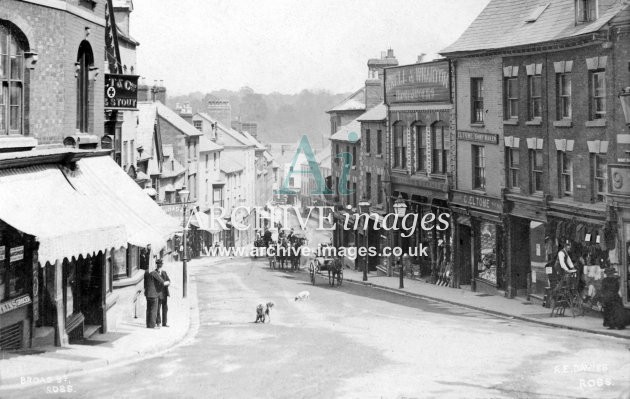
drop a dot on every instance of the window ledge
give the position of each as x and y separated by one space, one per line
17 142
515 190
596 123
563 123
477 124
367 154
354 167
437 176
379 155
534 122
511 122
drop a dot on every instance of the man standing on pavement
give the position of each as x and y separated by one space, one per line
153 285
162 307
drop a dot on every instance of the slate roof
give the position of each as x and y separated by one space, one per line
502 24
355 102
174 119
237 136
230 165
343 133
207 145
376 114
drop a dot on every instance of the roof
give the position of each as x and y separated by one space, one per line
230 165
253 140
502 24
207 145
123 36
343 134
177 121
237 136
376 114
354 102
268 156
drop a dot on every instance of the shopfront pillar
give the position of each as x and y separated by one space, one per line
61 337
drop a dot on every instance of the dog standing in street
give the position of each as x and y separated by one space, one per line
263 313
302 296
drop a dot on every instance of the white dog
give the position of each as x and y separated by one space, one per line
302 296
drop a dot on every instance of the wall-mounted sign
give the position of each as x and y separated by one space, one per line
487 138
426 82
16 254
14 303
121 91
619 176
477 201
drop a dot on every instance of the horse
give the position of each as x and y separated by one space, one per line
335 269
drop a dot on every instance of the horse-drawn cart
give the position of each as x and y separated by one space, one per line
325 263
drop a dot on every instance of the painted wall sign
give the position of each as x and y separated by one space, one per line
487 138
478 201
16 254
14 303
619 176
121 91
426 82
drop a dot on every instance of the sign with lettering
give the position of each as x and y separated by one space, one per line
478 201
487 138
14 303
121 91
16 254
425 82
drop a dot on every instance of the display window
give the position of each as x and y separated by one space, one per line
487 265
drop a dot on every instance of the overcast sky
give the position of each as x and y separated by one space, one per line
286 45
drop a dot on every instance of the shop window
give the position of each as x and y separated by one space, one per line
367 140
379 142
598 94
488 261
421 147
440 143
85 60
566 174
11 81
563 82
535 96
71 294
13 275
513 167
476 97
511 98
400 146
479 167
536 171
600 175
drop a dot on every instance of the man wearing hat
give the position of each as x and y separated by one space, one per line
153 285
162 305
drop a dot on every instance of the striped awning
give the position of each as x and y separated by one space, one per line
38 200
143 219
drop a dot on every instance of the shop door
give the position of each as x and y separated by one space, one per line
465 258
90 271
46 290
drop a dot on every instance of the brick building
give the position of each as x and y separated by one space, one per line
544 108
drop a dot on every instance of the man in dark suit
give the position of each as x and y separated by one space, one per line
162 307
153 285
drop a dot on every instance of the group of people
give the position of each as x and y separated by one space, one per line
156 292
615 315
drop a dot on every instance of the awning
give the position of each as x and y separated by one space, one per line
38 200
202 222
145 222
150 191
168 187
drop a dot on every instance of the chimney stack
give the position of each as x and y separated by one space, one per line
374 83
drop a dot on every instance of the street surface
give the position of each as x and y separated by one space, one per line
355 342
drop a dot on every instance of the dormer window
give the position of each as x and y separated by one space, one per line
585 10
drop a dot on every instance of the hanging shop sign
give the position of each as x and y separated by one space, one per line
478 201
16 254
14 304
487 138
426 82
121 91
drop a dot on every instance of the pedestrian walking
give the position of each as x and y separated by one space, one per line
153 285
162 307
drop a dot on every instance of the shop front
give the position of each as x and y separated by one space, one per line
619 196
479 242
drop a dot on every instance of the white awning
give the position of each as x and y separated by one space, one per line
38 200
145 222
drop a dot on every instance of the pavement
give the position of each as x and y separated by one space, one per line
127 340
517 308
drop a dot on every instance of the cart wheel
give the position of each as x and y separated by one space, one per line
311 270
340 278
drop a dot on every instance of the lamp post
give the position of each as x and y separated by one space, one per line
400 207
183 195
364 208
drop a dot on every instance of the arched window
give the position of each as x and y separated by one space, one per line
12 47
440 143
400 146
85 59
419 131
